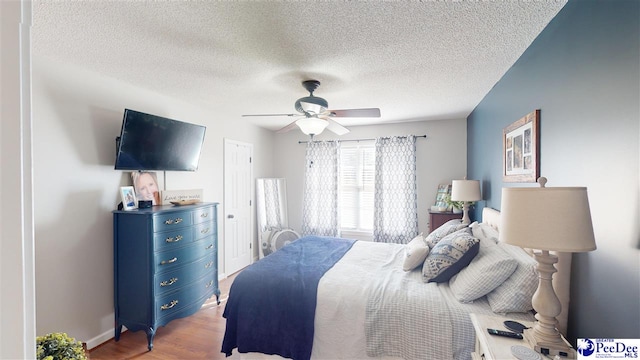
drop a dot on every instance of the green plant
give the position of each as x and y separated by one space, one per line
59 346
451 203
456 204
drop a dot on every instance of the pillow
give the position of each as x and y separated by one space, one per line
484 231
514 295
488 270
415 253
450 255
445 229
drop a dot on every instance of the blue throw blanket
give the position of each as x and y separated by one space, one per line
272 303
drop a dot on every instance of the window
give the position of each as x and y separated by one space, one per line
357 177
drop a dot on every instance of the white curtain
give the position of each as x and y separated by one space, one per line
320 208
395 200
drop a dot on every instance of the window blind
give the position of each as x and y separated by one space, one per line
356 190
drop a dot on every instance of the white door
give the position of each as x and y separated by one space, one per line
237 205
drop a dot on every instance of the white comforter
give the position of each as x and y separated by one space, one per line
342 300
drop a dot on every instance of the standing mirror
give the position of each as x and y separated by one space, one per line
271 214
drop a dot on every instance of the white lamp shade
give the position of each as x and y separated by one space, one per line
312 126
553 218
465 190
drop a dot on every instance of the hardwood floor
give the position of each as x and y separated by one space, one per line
198 336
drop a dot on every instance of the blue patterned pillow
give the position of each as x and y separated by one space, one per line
445 229
449 256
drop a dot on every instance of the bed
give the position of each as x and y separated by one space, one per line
367 305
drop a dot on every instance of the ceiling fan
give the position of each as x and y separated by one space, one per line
316 116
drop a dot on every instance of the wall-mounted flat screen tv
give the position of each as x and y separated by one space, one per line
150 142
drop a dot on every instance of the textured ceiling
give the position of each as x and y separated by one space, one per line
426 60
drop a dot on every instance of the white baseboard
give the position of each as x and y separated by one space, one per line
102 338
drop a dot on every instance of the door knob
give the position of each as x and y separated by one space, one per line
230 216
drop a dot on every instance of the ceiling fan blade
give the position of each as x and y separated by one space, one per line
288 128
369 112
271 115
335 127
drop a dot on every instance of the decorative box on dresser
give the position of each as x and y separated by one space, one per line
165 264
436 219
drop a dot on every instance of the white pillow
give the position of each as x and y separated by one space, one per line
488 270
445 229
483 231
514 295
415 253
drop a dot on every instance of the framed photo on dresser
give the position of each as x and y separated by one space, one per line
128 196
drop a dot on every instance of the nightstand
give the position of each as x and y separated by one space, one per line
436 219
492 347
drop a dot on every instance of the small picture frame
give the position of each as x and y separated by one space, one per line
128 196
145 184
441 195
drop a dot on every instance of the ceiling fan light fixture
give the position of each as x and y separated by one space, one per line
312 126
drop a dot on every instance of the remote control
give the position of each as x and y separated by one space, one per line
504 333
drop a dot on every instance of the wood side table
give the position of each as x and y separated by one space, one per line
492 347
436 219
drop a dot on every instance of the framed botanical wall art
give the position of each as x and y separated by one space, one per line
521 149
128 196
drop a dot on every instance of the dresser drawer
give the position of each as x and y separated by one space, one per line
183 276
203 230
167 240
175 258
172 220
203 214
173 302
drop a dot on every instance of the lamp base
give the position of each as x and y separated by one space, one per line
551 348
465 213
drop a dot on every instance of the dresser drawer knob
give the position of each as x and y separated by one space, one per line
209 284
204 231
165 262
173 221
204 215
169 305
172 239
209 247
208 265
169 282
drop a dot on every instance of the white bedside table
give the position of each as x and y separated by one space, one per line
492 347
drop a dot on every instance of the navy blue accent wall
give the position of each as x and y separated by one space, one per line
583 73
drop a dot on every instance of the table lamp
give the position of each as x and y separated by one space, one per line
547 219
465 191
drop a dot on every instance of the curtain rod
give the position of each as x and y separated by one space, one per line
305 141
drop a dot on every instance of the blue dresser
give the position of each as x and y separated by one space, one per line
165 264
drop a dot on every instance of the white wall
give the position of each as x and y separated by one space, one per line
441 157
17 304
76 118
